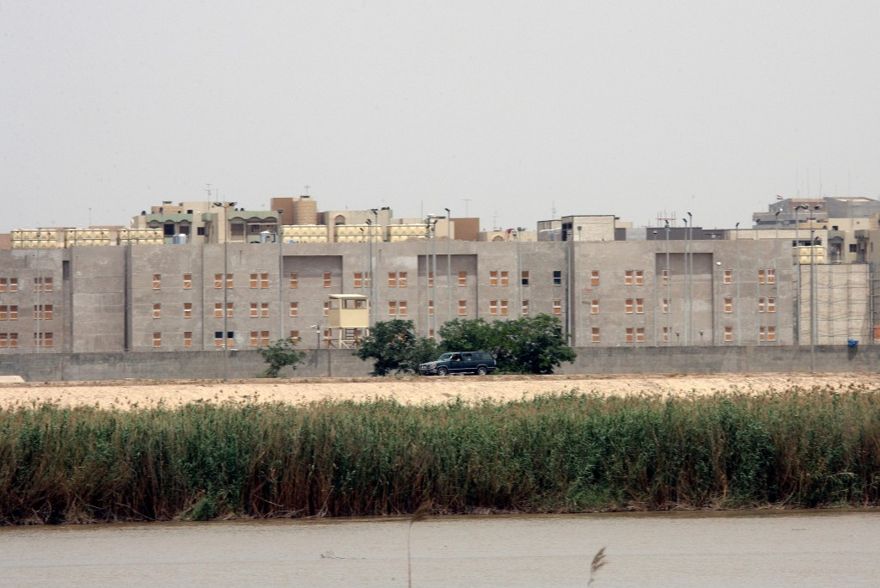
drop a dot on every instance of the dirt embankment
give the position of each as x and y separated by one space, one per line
408 390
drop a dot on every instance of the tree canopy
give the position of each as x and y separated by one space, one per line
395 347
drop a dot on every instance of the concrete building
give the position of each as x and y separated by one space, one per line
649 292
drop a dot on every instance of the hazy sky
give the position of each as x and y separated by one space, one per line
626 108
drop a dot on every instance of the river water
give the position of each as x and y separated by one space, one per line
792 549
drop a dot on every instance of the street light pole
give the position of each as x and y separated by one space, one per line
369 275
738 279
448 265
797 253
814 324
668 288
690 259
373 291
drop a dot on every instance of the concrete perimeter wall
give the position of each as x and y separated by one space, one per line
249 364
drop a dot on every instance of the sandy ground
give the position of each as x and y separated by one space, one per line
409 390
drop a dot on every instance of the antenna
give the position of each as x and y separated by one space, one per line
663 217
306 189
466 202
552 210
495 220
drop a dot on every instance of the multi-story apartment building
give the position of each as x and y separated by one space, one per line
611 293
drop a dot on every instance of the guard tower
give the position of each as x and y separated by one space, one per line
348 320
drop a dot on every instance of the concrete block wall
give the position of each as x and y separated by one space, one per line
166 365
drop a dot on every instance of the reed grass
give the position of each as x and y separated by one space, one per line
569 453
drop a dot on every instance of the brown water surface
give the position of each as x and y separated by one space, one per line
815 549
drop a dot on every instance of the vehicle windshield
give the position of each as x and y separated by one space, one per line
445 357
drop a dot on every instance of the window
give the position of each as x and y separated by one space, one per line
664 275
462 278
628 278
45 284
187 339
524 278
42 312
524 307
771 304
157 311
218 339
294 281
430 279
218 309
358 281
294 336
664 305
728 276
771 276
728 304
294 310
630 335
401 308
401 279
187 310
392 279
628 306
13 287
229 309
327 308
187 281
4 312
9 312
462 308
259 338
664 335
761 305
493 278
761 276
44 339
502 307
392 308
505 278
771 333
430 308
259 280
594 335
9 340
328 280
255 310
594 307
493 307
762 334
157 339
4 284
218 281
259 310
157 281
640 334
640 305
557 278
594 278
557 307
640 277
728 334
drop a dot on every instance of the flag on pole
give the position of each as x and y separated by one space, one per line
778 197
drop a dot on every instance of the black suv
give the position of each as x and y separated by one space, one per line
460 362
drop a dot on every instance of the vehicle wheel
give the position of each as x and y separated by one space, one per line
442 371
482 371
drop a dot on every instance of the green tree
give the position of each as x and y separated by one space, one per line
280 354
532 345
535 344
394 347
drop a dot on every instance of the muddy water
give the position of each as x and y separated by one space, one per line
657 550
